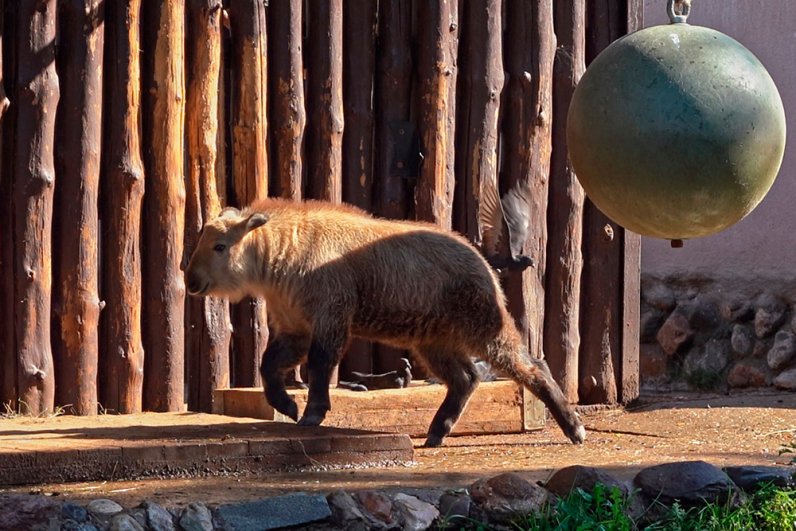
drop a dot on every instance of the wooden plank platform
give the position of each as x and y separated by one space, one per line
117 447
496 407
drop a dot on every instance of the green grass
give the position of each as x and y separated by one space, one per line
605 509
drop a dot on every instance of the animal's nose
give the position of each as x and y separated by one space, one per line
194 285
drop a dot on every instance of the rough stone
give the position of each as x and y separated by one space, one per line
786 379
504 496
746 373
22 511
675 334
761 348
749 478
124 522
414 514
712 358
782 351
738 310
454 507
74 512
658 295
71 525
277 512
346 512
563 481
650 321
702 313
770 313
196 517
691 483
376 504
653 364
158 518
742 339
103 509
139 514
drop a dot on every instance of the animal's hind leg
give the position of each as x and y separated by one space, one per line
283 354
457 371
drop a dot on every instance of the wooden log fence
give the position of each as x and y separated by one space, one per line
406 108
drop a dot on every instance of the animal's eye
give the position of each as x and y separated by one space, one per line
219 248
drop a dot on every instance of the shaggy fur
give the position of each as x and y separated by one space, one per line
330 273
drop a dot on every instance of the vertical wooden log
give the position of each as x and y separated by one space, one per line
481 85
34 178
75 231
527 129
359 19
565 219
325 120
249 168
164 203
208 326
438 37
288 117
122 189
393 108
8 359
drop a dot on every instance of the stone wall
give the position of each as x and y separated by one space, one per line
696 335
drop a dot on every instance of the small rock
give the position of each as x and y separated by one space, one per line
277 512
691 482
505 496
675 333
585 477
749 478
377 505
711 359
769 315
786 379
702 313
414 514
782 351
124 522
761 348
103 509
658 295
74 512
158 518
650 321
139 515
71 525
454 507
746 373
738 310
742 339
653 364
196 517
346 512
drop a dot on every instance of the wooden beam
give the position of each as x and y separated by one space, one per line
76 220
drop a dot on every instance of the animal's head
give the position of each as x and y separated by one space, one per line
219 264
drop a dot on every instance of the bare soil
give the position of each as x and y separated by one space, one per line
739 429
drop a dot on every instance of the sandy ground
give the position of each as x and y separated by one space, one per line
741 429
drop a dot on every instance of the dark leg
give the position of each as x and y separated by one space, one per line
458 372
325 352
284 353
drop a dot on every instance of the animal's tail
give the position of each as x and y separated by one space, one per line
507 354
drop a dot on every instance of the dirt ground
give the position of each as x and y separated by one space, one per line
738 429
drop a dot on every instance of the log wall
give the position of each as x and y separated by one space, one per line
405 108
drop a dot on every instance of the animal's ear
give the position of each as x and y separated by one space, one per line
229 212
257 219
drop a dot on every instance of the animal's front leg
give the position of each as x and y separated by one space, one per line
284 353
325 352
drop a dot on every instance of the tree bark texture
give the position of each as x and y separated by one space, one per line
208 327
527 129
34 178
392 94
565 213
325 120
438 38
4 102
164 203
122 189
75 231
249 169
288 116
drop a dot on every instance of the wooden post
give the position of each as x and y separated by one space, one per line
325 119
393 109
75 231
4 102
527 129
359 62
480 86
122 189
288 117
438 37
164 203
564 261
208 326
34 178
250 169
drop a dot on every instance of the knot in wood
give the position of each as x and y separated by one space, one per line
608 232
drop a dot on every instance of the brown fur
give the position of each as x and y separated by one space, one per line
330 273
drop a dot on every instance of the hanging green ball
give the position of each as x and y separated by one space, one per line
676 131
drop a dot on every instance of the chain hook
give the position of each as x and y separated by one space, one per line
680 17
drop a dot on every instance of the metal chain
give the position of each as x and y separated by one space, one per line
678 10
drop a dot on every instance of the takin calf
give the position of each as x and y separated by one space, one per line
329 273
